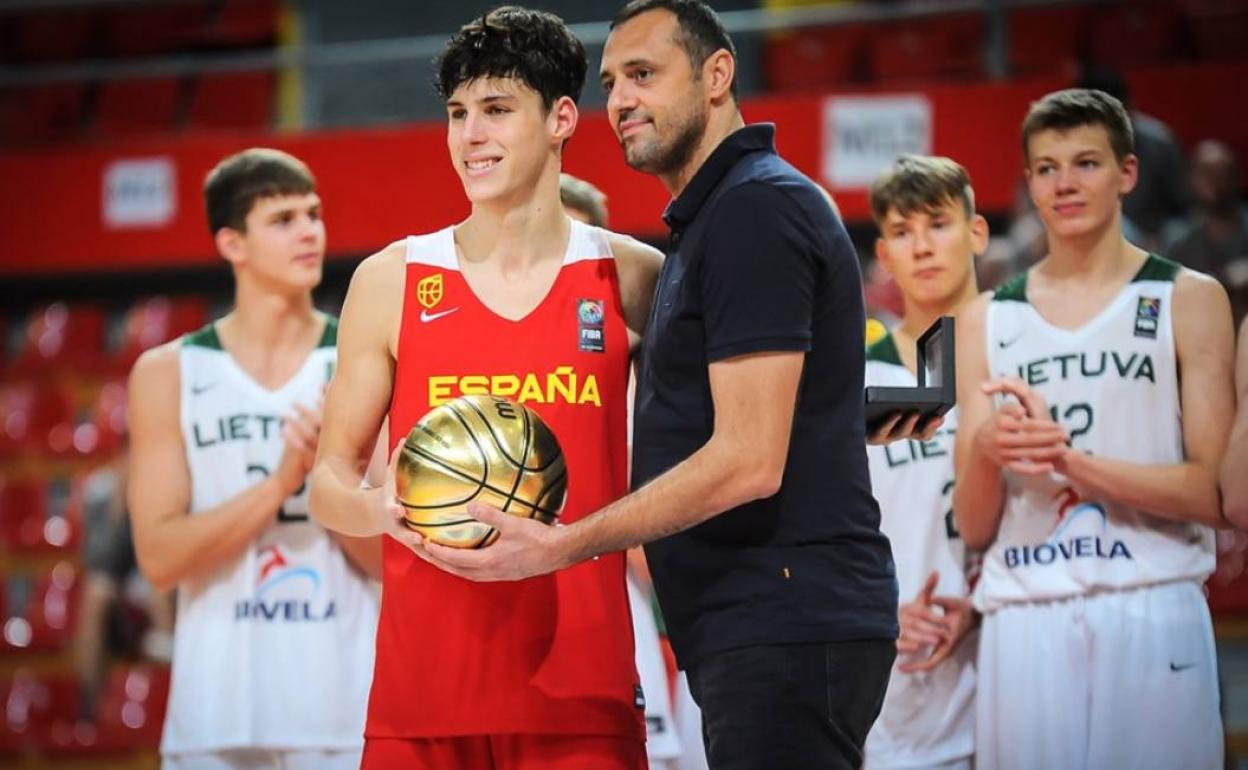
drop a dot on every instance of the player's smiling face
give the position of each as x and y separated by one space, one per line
1075 181
500 138
930 252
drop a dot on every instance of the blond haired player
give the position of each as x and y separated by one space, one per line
929 235
274 634
1095 397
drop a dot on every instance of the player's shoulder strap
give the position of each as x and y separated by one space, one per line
204 337
1157 268
1013 290
884 350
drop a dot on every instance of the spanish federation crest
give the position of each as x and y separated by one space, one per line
429 291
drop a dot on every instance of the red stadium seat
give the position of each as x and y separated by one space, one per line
40 515
1132 34
103 429
31 415
1046 40
151 30
62 336
50 36
942 47
129 716
233 100
138 106
815 57
241 24
1219 28
154 321
41 610
32 704
42 114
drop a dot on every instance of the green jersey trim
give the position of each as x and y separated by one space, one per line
1157 268
884 350
205 337
329 338
1013 290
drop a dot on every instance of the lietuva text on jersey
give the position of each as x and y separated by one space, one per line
1113 384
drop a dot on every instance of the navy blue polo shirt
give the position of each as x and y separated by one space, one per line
759 262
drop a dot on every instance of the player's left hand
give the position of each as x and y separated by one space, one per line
524 548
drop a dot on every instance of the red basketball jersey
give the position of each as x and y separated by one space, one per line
552 654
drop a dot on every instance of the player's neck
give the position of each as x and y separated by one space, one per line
271 321
518 234
1096 258
722 122
919 317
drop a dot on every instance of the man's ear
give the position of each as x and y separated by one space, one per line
718 71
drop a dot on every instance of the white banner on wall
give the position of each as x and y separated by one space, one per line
862 135
139 192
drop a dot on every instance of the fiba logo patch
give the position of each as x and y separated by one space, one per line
1147 313
590 319
429 291
1065 543
284 592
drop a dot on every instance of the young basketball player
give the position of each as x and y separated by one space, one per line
527 674
1234 480
274 634
1094 402
929 235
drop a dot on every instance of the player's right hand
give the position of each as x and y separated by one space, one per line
388 515
1021 435
921 626
301 431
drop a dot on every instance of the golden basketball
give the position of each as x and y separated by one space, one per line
482 449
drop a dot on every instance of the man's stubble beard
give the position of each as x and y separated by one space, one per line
659 157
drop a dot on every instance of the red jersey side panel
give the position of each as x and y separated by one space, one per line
552 654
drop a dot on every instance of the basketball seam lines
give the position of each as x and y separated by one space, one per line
480 485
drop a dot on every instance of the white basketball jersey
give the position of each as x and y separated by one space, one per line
928 718
1114 385
275 649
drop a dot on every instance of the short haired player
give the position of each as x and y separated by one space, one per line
929 235
275 618
527 674
1094 400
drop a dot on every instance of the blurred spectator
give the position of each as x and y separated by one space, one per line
1161 193
112 584
1213 238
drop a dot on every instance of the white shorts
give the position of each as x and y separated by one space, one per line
261 759
1117 679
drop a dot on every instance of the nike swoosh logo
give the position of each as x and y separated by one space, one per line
1181 666
1003 344
426 316
197 389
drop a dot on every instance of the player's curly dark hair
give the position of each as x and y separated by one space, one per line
534 47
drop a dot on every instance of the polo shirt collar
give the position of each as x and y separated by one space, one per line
753 138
